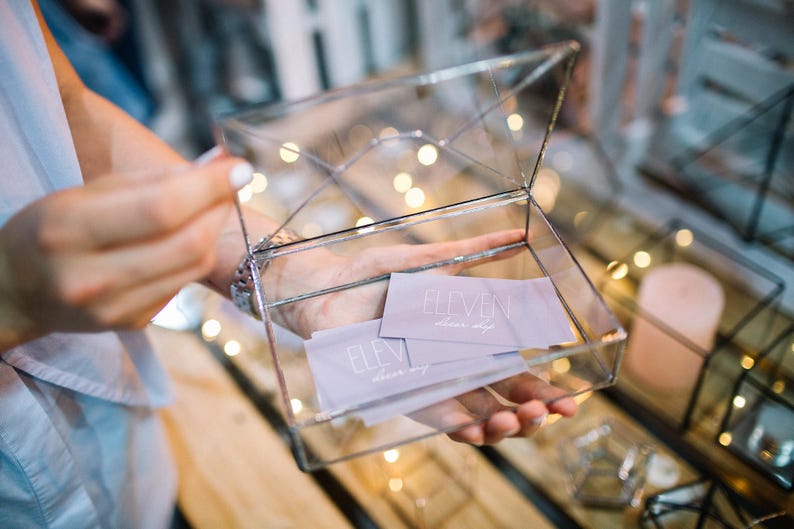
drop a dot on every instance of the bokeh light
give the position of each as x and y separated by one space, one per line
289 152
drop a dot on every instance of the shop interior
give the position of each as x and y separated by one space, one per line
660 204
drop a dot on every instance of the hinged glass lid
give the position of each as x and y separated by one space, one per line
400 146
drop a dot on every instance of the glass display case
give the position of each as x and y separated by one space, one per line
740 172
428 159
606 466
705 504
759 423
697 313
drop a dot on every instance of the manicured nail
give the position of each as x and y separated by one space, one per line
241 174
208 156
539 421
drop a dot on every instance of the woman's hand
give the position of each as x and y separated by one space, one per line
524 400
112 253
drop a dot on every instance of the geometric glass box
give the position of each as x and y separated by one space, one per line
707 504
691 335
759 424
423 159
606 466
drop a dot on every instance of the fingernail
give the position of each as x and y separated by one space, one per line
511 433
208 156
539 421
241 174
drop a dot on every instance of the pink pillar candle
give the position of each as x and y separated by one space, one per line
687 301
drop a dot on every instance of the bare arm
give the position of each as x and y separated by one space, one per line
110 254
106 139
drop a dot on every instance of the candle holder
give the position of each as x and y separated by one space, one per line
759 424
706 503
428 158
682 372
606 466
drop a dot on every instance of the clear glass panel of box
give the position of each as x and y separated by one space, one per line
424 159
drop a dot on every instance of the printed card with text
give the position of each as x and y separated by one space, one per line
438 351
353 365
518 314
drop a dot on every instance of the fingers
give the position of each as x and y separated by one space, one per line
426 253
500 425
110 254
105 272
524 421
530 417
536 398
450 414
526 387
135 307
390 259
120 211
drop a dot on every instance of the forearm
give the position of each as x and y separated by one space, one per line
106 138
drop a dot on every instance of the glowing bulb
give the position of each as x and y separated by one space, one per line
427 154
395 484
778 386
289 152
402 182
388 132
725 438
245 194
684 237
617 270
232 348
414 197
210 329
391 455
296 405
363 221
259 183
561 365
747 362
739 401
580 217
515 122
545 197
549 177
642 259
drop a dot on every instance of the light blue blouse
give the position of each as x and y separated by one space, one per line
80 441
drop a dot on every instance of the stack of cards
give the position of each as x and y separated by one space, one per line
462 331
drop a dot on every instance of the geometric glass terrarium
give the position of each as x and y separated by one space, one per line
698 313
759 424
707 504
606 466
427 159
